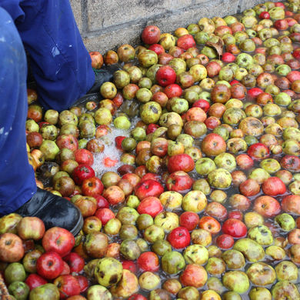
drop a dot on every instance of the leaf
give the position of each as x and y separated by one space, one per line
217 46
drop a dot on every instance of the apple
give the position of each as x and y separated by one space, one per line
150 205
9 223
68 141
31 96
67 285
91 224
148 187
179 181
45 291
213 144
186 41
290 204
97 59
11 247
179 238
59 240
96 244
181 162
151 35
75 262
31 228
210 224
267 206
114 195
49 265
173 90
83 156
189 220
273 186
235 228
92 186
157 48
29 260
86 204
104 215
165 76
82 172
83 284
258 151
34 280
34 139
193 275
64 185
148 261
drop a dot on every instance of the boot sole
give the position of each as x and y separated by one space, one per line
76 229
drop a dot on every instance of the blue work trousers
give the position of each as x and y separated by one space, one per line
62 69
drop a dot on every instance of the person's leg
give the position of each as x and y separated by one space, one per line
60 62
18 190
17 181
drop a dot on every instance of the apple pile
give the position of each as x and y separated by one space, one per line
186 170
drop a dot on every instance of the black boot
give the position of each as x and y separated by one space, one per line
53 210
102 75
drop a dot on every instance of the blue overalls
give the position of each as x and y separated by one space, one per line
62 69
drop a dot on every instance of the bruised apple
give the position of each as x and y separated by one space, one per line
31 228
11 248
97 59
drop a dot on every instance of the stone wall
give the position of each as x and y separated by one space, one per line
107 24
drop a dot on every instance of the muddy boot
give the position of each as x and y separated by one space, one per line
53 210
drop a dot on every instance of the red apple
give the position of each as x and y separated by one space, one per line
151 35
35 280
258 151
49 265
203 104
67 285
189 220
92 186
34 139
213 144
179 181
11 248
193 275
165 76
179 237
186 41
173 90
151 206
181 162
83 283
82 172
290 163
68 141
273 186
83 156
104 215
228 57
225 241
235 228
148 261
75 262
291 204
59 240
267 206
97 59
147 188
157 48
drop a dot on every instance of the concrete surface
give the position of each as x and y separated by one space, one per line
107 24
